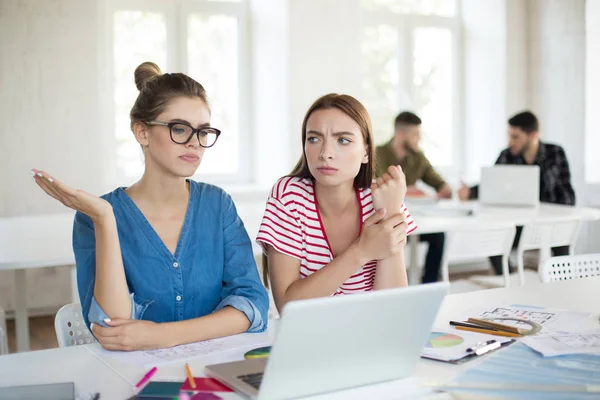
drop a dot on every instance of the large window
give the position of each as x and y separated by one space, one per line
410 62
206 40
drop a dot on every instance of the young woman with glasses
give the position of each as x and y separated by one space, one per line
329 229
167 260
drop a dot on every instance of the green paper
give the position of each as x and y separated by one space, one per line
161 389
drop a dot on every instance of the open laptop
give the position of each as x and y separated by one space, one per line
510 185
327 344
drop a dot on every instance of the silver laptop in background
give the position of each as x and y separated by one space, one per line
510 185
328 344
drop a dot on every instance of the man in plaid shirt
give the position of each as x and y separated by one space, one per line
525 148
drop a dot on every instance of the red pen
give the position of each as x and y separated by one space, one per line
146 378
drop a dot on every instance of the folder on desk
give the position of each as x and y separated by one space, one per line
521 373
457 347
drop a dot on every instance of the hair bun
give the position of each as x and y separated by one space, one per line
145 72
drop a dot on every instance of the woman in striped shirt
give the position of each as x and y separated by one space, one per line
329 228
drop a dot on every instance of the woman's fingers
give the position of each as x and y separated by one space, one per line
47 186
375 218
393 221
101 331
56 185
56 189
394 171
114 346
65 189
400 230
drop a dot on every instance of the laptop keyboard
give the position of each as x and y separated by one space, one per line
252 379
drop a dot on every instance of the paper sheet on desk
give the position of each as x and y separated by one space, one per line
451 344
551 320
150 358
567 343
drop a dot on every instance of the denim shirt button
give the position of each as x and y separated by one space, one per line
175 265
178 298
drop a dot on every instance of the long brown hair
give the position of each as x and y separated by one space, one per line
355 110
157 89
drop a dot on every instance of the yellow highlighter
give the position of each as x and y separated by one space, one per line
190 376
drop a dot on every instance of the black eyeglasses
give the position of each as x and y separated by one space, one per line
182 133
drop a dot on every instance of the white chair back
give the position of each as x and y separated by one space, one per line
565 268
477 243
543 235
70 327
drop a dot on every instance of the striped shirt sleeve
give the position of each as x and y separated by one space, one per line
280 229
411 225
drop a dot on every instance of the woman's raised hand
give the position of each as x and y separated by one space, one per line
89 204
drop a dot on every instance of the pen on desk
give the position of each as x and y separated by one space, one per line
190 376
469 325
146 378
495 325
471 349
488 331
490 345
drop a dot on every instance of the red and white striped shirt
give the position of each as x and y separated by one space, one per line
292 225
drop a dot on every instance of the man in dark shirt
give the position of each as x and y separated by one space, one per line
525 148
403 149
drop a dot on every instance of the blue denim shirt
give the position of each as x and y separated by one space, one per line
213 265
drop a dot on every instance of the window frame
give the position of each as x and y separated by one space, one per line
405 25
176 14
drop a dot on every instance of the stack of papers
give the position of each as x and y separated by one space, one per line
566 343
552 321
561 332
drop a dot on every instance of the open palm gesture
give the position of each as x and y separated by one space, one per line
89 204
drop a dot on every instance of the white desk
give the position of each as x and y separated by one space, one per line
34 242
114 379
450 215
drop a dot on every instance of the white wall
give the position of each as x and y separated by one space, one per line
324 56
270 89
48 102
557 76
485 83
517 57
592 104
557 43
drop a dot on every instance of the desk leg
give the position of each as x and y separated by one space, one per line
21 318
413 277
